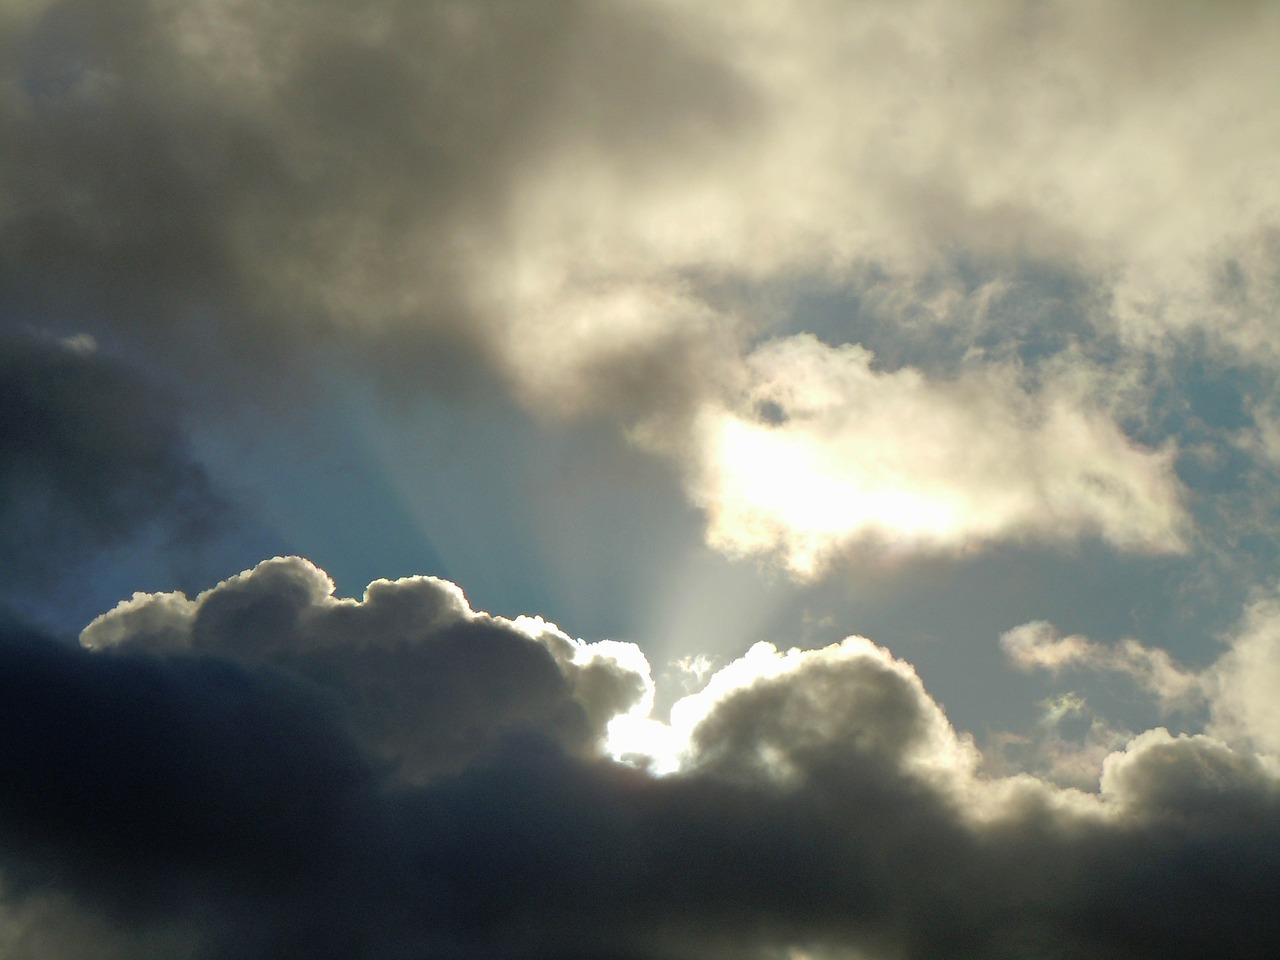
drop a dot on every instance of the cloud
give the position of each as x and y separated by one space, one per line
216 785
1238 687
619 211
1068 745
831 452
44 926
1037 645
253 178
1242 682
555 200
427 681
92 457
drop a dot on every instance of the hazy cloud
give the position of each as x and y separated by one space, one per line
253 178
554 193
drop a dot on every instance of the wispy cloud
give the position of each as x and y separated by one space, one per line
1037 645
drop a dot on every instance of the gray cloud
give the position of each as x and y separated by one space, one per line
252 178
827 807
539 200
427 681
91 458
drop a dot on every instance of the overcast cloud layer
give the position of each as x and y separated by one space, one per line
881 285
557 192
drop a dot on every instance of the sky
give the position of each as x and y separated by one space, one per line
645 480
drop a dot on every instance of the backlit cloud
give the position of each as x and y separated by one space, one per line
556 194
232 812
427 681
832 452
949 319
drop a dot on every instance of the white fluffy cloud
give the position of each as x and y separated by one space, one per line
830 452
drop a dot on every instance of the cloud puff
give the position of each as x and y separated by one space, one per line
831 452
1242 682
426 680
1037 645
198 776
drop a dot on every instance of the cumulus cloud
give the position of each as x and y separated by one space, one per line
198 775
427 681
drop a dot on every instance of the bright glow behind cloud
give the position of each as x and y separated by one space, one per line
844 453
1036 244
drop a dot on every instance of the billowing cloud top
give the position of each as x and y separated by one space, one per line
427 682
211 775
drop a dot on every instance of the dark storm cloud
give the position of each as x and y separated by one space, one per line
91 457
426 680
828 807
150 785
251 177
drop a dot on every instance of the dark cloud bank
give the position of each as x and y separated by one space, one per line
269 772
92 457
